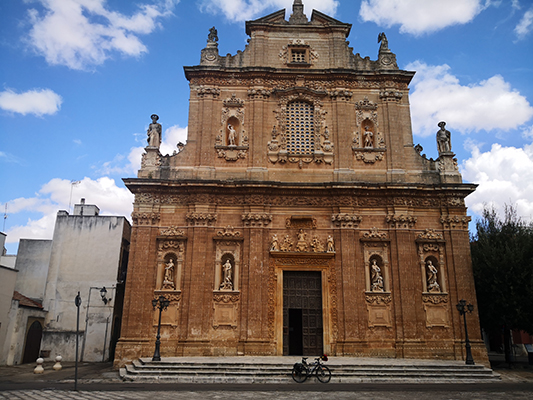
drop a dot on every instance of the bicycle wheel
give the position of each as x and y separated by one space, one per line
299 373
323 374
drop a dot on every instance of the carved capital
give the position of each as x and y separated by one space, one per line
229 232
435 298
344 220
378 298
256 219
139 218
201 219
455 222
399 221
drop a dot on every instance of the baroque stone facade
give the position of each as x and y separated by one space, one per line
299 218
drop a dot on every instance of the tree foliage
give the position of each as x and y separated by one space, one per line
502 258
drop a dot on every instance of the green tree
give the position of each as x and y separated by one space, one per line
502 258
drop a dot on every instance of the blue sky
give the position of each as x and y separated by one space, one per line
80 79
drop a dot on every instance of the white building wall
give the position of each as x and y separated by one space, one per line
85 253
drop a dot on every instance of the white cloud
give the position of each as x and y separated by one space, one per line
504 175
84 33
171 137
56 195
36 101
525 25
419 16
243 10
438 96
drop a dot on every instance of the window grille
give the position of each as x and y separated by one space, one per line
298 56
300 128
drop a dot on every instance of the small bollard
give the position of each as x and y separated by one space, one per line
57 366
39 368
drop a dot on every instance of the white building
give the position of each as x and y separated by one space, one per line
87 254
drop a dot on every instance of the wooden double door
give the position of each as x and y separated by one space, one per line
302 313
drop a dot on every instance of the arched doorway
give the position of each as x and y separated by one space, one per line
33 343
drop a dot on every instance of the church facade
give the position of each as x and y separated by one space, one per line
299 218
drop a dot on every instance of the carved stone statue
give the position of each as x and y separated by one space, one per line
275 244
433 285
369 137
227 283
330 244
384 42
376 278
287 244
302 244
213 35
231 135
317 245
444 143
154 132
168 282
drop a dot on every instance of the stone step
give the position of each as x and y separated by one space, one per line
278 370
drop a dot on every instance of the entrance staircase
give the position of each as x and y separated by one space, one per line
278 370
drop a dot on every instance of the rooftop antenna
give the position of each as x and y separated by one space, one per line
72 184
5 217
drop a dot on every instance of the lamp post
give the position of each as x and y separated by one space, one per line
160 303
463 308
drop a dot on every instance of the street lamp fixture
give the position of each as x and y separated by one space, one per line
463 308
103 294
160 303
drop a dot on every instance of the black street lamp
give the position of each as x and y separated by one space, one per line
161 303
463 308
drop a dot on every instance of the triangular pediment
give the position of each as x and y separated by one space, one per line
277 17
320 18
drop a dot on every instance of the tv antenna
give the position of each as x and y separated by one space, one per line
5 217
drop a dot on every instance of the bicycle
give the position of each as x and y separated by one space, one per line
301 371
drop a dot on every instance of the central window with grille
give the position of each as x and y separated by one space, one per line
298 56
300 128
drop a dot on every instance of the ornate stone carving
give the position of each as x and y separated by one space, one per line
154 132
259 93
140 218
376 298
345 220
375 233
435 298
256 219
390 95
430 234
316 245
300 222
343 95
226 297
232 142
168 281
229 232
200 219
455 222
172 231
208 92
368 144
174 296
286 245
401 221
321 150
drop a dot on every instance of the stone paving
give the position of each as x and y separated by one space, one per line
100 381
255 395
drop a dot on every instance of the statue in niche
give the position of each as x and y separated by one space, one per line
213 35
168 282
275 243
227 283
287 244
444 142
231 135
317 245
433 285
330 246
326 133
154 132
382 38
377 279
369 137
302 244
